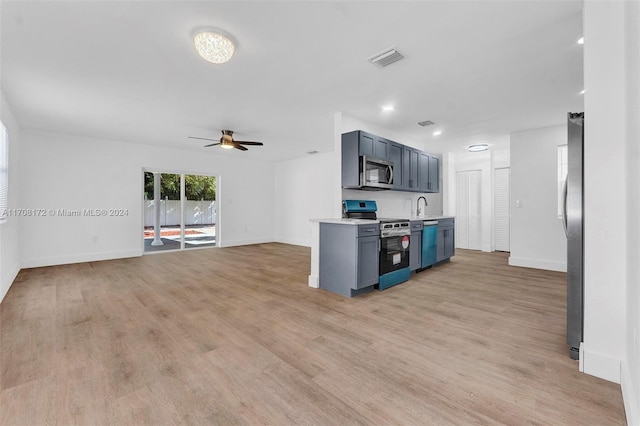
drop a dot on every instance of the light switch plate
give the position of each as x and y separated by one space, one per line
518 204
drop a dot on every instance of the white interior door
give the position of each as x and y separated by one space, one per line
501 207
475 213
462 210
468 210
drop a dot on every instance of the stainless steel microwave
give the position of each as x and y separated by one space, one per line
375 174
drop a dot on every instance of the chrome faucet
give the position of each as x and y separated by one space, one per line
418 205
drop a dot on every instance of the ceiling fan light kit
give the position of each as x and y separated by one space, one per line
213 47
227 141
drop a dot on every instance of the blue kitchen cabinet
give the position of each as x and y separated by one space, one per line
371 145
395 156
415 245
349 258
446 239
434 174
423 171
410 160
414 170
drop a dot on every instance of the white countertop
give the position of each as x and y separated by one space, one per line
431 217
347 221
371 221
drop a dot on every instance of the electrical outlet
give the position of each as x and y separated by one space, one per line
518 204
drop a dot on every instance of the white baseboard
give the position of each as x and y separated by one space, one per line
293 241
79 258
233 243
9 278
630 396
600 365
314 281
538 264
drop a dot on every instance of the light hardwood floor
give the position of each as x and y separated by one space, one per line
235 336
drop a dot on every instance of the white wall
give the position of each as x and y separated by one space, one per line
537 234
69 172
612 278
605 189
630 379
303 191
9 231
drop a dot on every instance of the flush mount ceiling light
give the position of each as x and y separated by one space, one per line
582 92
477 147
437 133
388 108
213 47
581 40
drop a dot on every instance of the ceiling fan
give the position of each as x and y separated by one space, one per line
226 141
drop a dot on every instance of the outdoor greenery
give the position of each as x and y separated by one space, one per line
196 187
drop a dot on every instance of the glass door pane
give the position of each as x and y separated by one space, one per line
200 211
162 229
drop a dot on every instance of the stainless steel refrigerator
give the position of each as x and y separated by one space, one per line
573 227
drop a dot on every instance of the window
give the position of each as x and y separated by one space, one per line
563 169
4 173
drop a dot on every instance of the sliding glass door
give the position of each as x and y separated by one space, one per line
200 211
179 211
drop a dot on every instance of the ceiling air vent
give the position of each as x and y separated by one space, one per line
426 123
386 57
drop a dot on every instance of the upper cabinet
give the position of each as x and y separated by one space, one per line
434 174
413 170
395 156
409 165
372 145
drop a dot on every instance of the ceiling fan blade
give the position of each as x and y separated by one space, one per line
212 144
240 147
204 139
249 143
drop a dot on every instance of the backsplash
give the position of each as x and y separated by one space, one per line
397 204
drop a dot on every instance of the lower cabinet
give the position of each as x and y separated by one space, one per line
415 245
349 258
446 239
368 269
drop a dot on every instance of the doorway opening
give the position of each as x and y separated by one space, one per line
180 211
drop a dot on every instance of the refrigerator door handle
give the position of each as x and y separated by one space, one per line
564 206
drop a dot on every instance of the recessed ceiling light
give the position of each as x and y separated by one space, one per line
581 40
388 108
582 92
478 147
437 133
213 47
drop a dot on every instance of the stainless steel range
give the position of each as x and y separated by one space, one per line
394 252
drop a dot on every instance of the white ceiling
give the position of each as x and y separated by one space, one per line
128 70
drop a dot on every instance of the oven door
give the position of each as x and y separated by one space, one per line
394 253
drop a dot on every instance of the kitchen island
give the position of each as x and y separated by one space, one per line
345 252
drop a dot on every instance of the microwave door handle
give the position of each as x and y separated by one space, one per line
390 173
